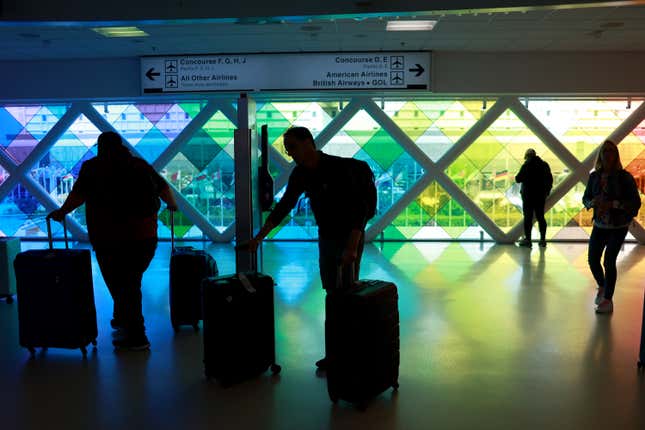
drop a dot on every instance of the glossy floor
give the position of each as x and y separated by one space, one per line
491 337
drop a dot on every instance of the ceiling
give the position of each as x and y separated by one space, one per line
587 29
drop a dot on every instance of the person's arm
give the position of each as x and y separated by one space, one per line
295 188
588 199
357 213
73 200
521 175
632 202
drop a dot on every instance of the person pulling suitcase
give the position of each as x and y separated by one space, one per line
121 193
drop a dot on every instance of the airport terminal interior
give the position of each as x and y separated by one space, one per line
492 335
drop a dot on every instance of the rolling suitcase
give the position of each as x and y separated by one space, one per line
362 341
9 248
641 355
55 297
188 267
239 332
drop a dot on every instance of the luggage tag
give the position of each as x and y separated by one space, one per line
246 283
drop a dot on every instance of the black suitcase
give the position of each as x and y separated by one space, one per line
641 355
362 341
239 327
188 267
55 298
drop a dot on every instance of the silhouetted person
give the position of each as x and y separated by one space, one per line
121 195
612 193
339 202
536 179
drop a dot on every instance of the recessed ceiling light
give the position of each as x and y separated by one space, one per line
120 32
410 25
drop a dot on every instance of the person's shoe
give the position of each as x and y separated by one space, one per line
600 296
322 363
605 307
542 243
136 343
525 243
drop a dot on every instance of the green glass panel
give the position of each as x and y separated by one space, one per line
392 233
361 128
455 120
180 173
412 120
432 199
220 129
383 149
181 221
192 109
201 149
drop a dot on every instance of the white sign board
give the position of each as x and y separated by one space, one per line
275 72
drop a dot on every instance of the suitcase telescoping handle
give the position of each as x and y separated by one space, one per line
49 233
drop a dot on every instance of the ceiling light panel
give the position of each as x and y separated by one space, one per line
410 25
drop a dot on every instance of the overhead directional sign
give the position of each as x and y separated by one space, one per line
275 72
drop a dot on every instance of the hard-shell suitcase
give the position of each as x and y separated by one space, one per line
362 341
188 267
239 332
55 298
641 356
9 249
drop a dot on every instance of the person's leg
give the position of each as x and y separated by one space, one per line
329 253
539 215
597 243
614 243
107 258
135 260
527 212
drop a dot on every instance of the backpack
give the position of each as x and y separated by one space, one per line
365 180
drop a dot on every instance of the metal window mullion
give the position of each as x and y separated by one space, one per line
195 216
473 133
78 232
227 110
473 210
10 166
399 135
103 125
50 139
185 135
542 133
337 123
386 219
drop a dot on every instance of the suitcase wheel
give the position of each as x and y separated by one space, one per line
276 368
9 300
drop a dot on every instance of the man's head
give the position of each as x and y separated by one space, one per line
111 147
299 145
530 153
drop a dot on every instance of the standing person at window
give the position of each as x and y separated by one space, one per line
342 198
612 193
536 179
121 195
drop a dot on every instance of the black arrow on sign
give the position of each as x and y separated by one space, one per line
418 69
151 73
